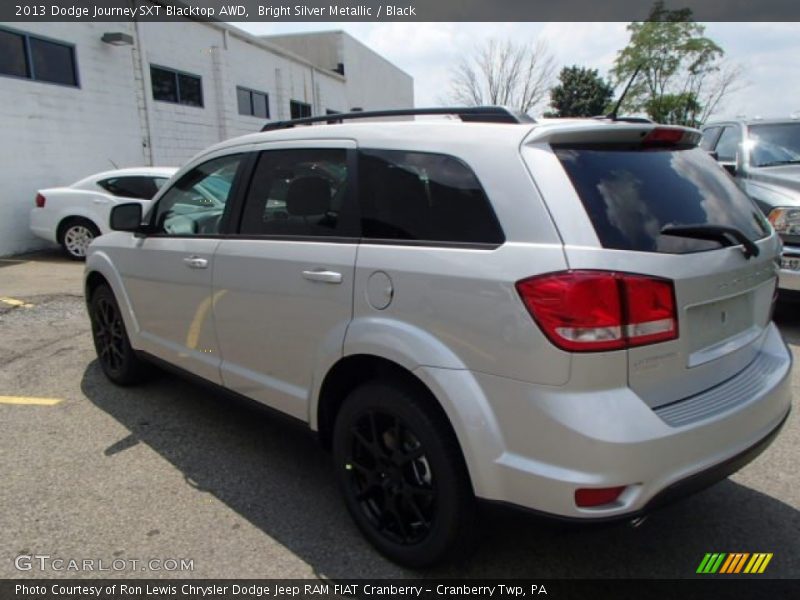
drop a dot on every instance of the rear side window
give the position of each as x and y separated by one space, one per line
133 187
630 195
423 197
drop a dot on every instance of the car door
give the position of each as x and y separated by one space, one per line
167 273
283 284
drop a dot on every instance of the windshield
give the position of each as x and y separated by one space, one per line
774 144
631 195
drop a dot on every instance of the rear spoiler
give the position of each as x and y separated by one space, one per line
595 132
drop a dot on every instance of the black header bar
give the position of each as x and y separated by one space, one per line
396 10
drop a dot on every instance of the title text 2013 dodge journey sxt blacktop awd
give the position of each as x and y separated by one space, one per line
569 316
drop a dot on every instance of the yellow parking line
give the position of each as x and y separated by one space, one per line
29 400
15 302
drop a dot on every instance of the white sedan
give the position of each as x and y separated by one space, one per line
76 214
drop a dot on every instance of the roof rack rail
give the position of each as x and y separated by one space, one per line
482 114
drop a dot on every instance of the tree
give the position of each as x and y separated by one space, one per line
580 93
504 73
682 78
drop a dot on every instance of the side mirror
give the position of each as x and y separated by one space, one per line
126 217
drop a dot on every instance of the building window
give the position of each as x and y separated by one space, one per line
298 110
176 87
23 55
252 103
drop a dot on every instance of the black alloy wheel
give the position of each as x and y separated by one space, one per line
118 359
402 473
391 477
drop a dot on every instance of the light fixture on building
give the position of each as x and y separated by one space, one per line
117 38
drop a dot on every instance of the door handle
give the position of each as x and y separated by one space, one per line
323 276
195 262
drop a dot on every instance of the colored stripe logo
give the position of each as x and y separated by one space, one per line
734 563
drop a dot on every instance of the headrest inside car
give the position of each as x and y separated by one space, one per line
308 196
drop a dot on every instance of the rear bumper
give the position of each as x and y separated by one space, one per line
41 225
789 280
555 440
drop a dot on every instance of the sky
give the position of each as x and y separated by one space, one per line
769 53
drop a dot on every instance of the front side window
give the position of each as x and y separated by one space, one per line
296 193
423 197
774 144
176 87
195 204
631 194
23 55
728 145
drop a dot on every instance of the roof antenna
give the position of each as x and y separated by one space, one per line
113 163
613 114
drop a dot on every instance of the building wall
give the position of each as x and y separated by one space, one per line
373 83
55 135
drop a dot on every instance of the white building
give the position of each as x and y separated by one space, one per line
72 104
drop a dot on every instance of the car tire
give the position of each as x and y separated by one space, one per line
118 360
402 474
75 235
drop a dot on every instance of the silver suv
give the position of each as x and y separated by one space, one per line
764 157
568 316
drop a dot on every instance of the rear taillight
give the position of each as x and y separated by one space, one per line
40 200
590 311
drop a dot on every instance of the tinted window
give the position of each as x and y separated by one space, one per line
260 105
775 144
252 103
12 54
728 145
53 62
165 85
709 138
172 86
630 195
132 187
243 100
190 90
196 203
421 196
23 55
299 109
296 193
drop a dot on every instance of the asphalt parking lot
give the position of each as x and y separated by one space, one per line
171 471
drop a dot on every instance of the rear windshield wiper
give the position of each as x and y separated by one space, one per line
727 236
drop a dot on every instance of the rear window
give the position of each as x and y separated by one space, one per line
631 194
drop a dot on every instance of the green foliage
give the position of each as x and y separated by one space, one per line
677 62
674 109
581 92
